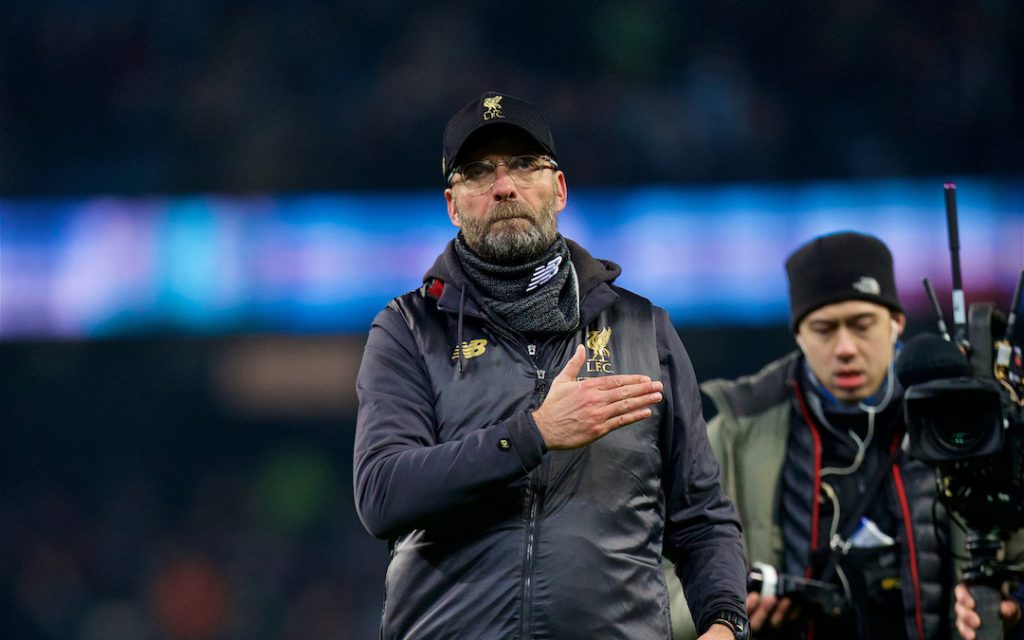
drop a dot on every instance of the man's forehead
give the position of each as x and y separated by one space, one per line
846 310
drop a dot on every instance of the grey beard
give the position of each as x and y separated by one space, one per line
512 246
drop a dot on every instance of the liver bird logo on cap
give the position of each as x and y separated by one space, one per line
492 107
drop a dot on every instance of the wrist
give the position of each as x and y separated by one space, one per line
735 622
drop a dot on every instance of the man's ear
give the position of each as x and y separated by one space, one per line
899 323
799 341
453 207
561 191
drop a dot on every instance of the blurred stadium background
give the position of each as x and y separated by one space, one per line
203 204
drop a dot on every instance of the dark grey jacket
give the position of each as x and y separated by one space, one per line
749 436
492 536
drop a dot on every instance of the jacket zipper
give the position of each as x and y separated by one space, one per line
532 507
527 595
911 545
533 490
815 508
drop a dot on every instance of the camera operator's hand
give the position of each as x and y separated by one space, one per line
967 620
769 613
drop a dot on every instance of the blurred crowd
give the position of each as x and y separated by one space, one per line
135 505
223 95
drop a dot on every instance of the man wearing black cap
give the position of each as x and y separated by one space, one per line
530 438
811 454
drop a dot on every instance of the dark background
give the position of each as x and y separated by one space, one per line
99 96
200 487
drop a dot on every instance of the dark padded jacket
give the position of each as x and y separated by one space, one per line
492 536
749 435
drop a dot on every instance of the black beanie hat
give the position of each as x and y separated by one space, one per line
839 267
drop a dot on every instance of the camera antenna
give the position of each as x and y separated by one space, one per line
1004 368
928 289
1012 317
959 310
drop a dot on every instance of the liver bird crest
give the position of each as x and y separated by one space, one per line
597 342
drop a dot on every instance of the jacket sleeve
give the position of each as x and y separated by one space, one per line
702 531
403 476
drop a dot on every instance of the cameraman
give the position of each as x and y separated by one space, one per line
810 451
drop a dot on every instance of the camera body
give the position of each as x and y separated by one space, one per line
971 430
823 598
954 418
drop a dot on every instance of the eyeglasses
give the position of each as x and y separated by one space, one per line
480 175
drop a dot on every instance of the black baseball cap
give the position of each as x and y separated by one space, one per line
492 108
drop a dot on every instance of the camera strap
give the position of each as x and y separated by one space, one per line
839 545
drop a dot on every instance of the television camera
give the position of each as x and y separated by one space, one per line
964 410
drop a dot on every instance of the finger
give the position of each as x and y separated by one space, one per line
965 632
631 390
571 370
1010 611
633 404
625 419
960 608
614 382
756 619
779 615
968 616
753 599
760 615
963 596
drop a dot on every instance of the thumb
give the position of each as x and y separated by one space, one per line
1010 611
571 370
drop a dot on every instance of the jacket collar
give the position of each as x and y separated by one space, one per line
594 276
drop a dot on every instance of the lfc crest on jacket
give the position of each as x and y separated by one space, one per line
599 358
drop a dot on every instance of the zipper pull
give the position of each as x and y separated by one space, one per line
531 349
